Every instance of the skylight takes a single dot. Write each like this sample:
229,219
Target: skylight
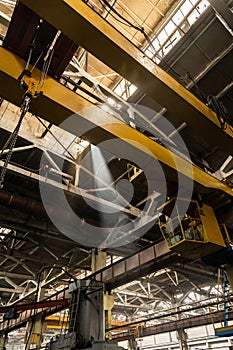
4,232
125,89
175,28
167,37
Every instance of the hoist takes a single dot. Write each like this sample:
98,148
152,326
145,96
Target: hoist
32,87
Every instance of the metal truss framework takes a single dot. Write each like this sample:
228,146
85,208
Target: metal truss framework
126,59
55,94
140,298
131,299
130,296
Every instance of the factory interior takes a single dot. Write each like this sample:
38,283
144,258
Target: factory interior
116,174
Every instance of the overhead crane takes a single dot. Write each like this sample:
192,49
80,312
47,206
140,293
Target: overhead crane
12,66
89,30
57,103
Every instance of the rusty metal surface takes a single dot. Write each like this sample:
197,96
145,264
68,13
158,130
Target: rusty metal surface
32,33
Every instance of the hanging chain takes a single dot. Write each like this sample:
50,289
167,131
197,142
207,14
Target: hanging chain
13,139
33,88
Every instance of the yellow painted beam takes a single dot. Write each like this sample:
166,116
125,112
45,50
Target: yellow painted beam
57,103
80,23
56,322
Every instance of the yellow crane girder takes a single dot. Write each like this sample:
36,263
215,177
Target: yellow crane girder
86,28
57,103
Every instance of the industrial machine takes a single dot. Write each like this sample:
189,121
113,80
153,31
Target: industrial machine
86,319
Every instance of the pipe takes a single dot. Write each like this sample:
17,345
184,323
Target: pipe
17,202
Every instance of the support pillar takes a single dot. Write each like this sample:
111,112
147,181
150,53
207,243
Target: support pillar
108,306
229,271
98,260
86,314
182,338
132,344
36,327
34,333
3,341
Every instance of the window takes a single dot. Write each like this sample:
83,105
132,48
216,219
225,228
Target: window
186,7
162,37
119,88
193,17
202,6
149,52
158,59
175,38
125,89
132,89
155,44
170,27
167,48
175,28
167,38
178,17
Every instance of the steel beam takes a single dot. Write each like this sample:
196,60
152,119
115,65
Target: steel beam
18,262
15,275
51,105
141,264
169,326
17,290
85,27
57,103
36,305
141,306
27,205
224,11
4,19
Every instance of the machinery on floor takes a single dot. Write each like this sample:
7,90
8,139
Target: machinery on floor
86,319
